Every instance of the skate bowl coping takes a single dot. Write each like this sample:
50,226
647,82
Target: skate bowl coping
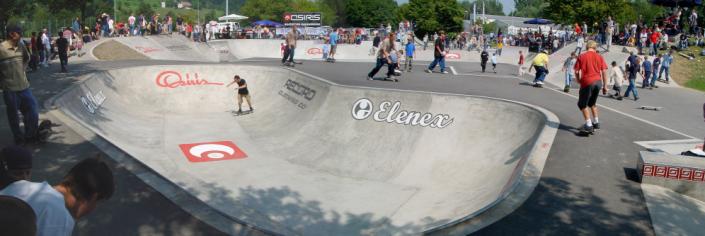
316,157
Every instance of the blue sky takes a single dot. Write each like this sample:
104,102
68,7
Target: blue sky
508,5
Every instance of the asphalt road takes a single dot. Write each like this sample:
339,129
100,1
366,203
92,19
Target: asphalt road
586,187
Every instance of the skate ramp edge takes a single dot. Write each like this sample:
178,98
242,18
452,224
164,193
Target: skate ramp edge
319,158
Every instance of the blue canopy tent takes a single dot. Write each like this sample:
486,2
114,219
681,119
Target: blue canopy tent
538,21
267,23
680,3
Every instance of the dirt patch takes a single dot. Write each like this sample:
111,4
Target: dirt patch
115,51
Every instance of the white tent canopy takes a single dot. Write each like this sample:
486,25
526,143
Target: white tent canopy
232,17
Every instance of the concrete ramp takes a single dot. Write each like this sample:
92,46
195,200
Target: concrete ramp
316,158
174,47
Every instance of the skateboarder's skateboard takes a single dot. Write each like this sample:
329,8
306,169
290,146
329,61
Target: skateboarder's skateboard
538,85
331,60
650,108
241,113
585,133
292,64
616,97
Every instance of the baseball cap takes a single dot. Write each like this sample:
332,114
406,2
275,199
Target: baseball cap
16,158
13,29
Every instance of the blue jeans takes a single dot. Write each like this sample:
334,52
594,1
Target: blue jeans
654,77
381,62
646,82
436,61
663,68
288,54
540,73
568,78
24,102
631,88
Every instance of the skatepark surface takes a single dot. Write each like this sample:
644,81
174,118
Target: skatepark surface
334,159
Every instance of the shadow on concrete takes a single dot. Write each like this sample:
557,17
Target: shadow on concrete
288,208
135,208
578,212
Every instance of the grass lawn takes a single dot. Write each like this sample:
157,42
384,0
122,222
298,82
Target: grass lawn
689,73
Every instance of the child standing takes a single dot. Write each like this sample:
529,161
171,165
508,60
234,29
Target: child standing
521,63
569,70
326,50
646,72
616,78
494,62
410,51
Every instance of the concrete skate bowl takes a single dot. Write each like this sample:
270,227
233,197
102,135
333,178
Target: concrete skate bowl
317,158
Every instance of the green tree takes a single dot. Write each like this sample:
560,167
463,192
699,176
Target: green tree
648,12
338,9
145,9
492,7
370,13
590,11
266,9
529,8
434,15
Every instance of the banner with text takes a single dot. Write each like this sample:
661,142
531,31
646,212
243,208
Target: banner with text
302,19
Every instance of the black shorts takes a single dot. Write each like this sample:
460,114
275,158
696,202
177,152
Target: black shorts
588,95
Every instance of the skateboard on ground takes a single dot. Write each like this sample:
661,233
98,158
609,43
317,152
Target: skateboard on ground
585,133
651,108
616,97
538,85
241,113
331,60
388,79
383,79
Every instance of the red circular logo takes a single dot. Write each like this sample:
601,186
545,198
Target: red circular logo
453,56
314,51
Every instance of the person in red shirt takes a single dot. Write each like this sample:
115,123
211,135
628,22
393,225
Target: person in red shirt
578,30
655,37
521,63
589,70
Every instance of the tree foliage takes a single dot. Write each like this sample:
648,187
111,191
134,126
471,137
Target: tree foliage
434,15
370,13
590,11
274,9
529,8
492,7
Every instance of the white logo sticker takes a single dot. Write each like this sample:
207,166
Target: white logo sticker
391,112
362,109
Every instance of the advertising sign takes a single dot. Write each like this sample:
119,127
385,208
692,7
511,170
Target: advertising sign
302,19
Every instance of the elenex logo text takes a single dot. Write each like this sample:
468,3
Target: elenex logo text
391,112
295,89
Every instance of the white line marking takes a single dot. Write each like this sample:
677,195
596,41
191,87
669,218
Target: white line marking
488,75
452,70
623,113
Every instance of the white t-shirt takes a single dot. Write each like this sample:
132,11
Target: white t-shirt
46,41
48,204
